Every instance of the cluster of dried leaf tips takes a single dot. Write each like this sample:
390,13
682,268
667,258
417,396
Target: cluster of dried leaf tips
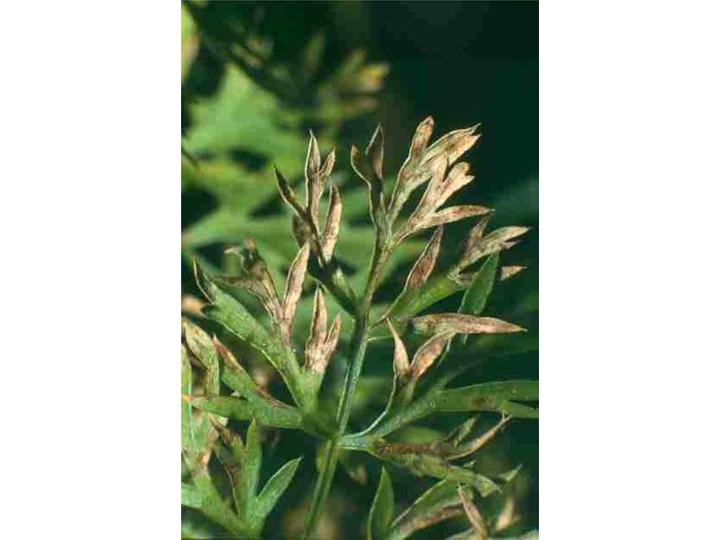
432,164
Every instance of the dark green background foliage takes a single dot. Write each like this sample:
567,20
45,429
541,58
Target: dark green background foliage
461,62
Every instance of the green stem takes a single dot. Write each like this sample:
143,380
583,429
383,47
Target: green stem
358,344
322,487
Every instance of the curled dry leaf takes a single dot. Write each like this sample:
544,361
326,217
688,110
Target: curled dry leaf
318,328
421,138
507,516
316,174
477,245
507,272
473,446
192,305
401,363
256,278
287,193
332,223
456,179
328,164
313,185
460,323
293,288
455,213
453,144
428,352
439,190
369,168
312,159
473,515
375,151
425,264
321,343
331,341
424,163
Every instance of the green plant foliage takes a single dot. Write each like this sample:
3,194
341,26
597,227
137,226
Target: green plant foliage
219,388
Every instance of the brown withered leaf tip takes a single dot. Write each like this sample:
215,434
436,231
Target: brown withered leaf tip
425,264
318,327
256,278
332,223
433,164
428,352
321,343
401,363
473,515
477,443
479,245
374,151
312,160
460,323
228,357
293,289
509,271
454,213
507,516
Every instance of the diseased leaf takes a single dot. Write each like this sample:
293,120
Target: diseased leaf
423,464
375,150
332,223
454,213
423,163
231,454
437,288
234,375
428,352
212,505
477,245
202,348
382,510
275,487
241,409
438,503
460,323
474,445
506,272
287,193
486,396
227,311
293,289
473,515
510,475
401,364
426,262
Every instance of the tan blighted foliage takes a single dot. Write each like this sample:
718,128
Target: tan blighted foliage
463,324
421,383
426,262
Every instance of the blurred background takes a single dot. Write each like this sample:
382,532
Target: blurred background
256,76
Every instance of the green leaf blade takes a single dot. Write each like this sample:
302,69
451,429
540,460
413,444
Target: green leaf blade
486,396
382,509
275,487
477,294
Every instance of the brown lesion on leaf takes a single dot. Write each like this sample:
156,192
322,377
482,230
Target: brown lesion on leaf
423,522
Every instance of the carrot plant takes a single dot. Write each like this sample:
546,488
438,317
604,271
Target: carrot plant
432,351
